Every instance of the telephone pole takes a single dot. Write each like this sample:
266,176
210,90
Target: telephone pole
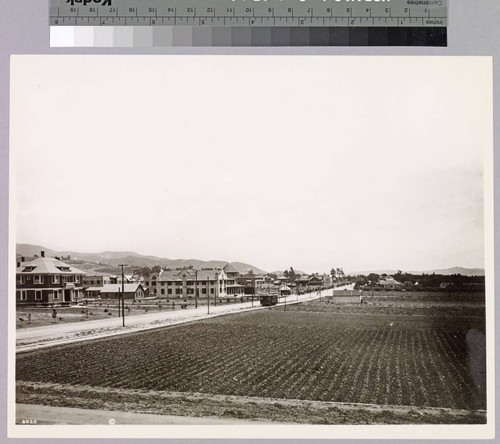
216,288
208,293
196,289
123,296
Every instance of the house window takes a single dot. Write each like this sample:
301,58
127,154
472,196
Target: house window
169,291
38,279
147,283
55,279
38,295
20,279
178,291
211,291
22,295
56,294
203,291
162,291
162,283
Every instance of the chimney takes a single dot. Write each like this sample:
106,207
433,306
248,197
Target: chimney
43,253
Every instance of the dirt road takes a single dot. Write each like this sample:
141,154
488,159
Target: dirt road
38,337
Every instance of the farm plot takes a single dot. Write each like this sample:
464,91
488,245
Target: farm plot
457,307
282,354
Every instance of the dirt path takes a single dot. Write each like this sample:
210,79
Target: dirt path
47,336
31,414
108,402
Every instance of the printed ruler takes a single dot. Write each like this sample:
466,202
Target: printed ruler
263,22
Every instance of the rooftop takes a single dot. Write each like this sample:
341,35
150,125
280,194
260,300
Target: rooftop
228,268
189,274
47,265
117,288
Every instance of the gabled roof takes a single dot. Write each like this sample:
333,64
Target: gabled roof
97,274
47,265
389,281
117,288
228,268
93,289
190,275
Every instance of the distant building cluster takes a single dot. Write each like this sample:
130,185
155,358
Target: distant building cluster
47,281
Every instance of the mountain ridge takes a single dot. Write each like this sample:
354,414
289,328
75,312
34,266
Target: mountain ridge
131,258
464,271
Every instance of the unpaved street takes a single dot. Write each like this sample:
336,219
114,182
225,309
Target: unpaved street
38,337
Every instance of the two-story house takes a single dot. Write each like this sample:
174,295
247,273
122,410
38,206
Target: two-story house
48,281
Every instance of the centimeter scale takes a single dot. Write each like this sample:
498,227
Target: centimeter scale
137,23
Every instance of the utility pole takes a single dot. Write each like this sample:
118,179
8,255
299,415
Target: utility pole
119,312
216,288
123,296
208,293
196,288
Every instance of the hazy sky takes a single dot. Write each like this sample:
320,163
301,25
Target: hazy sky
310,162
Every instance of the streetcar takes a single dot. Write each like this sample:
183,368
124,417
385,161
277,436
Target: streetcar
268,300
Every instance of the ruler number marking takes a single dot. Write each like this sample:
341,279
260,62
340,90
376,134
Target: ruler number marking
255,15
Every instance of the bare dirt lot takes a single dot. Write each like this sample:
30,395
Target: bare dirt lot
314,353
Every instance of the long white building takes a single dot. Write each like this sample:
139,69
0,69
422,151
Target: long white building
182,284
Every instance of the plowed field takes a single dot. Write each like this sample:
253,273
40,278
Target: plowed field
384,358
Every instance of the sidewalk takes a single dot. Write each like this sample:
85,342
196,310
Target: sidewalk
39,337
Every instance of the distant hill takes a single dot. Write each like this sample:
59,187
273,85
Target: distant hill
130,258
280,273
245,268
444,271
457,270
367,272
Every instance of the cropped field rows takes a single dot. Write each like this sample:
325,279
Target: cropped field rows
293,355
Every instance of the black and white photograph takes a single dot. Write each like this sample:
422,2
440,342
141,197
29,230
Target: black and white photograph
257,242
